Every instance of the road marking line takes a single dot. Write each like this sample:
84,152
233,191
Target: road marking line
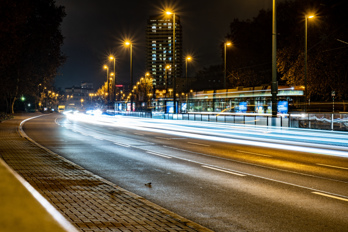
331,196
154,153
332,166
162,138
222,170
120,144
199,144
252,153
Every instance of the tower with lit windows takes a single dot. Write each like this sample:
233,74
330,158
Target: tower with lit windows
159,50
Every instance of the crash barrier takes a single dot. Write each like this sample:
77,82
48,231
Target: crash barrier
321,121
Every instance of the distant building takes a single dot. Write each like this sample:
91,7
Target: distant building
159,49
78,97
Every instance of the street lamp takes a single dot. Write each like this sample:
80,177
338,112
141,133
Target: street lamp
188,58
225,46
107,76
305,57
173,71
274,85
128,43
166,76
114,82
112,78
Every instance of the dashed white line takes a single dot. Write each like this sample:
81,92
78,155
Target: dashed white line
223,170
331,196
163,138
157,154
252,153
121,144
199,144
332,166
138,134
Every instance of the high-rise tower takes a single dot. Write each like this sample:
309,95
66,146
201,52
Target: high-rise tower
159,50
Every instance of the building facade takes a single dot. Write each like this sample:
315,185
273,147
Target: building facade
159,50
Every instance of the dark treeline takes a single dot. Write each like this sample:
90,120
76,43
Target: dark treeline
30,50
249,60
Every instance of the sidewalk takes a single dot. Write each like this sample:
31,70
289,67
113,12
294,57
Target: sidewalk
89,202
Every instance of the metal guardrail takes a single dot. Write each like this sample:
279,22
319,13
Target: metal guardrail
248,119
321,121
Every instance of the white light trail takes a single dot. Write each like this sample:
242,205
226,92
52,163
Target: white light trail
206,131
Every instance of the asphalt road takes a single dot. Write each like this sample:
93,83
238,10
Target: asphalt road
224,177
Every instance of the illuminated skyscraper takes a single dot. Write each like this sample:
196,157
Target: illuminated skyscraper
159,49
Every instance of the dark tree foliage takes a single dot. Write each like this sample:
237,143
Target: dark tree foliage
30,53
327,56
249,61
208,78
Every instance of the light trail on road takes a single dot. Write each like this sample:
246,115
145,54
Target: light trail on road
213,174
315,142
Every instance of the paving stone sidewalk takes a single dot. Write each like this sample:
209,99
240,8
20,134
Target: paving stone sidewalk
89,202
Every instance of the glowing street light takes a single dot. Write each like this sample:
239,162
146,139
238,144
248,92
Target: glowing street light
107,76
305,58
127,43
166,76
112,58
188,58
173,70
226,44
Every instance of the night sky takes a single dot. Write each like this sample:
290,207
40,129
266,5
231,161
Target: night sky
93,29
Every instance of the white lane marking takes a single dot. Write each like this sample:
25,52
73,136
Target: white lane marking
331,196
138,134
162,138
199,144
252,153
222,170
157,154
121,144
332,166
261,177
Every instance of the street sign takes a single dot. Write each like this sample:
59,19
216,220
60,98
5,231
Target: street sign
333,93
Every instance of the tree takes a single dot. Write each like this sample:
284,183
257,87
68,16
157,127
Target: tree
30,29
249,60
326,55
208,78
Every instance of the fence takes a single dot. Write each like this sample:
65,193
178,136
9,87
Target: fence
248,119
321,121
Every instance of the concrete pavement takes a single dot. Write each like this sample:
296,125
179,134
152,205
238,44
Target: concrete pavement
89,202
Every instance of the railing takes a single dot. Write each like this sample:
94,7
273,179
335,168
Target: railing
321,121
143,114
248,119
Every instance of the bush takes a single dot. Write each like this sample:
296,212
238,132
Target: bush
4,116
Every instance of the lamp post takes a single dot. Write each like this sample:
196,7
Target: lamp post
166,76
225,71
173,70
114,81
107,77
305,58
112,78
274,86
188,58
128,43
